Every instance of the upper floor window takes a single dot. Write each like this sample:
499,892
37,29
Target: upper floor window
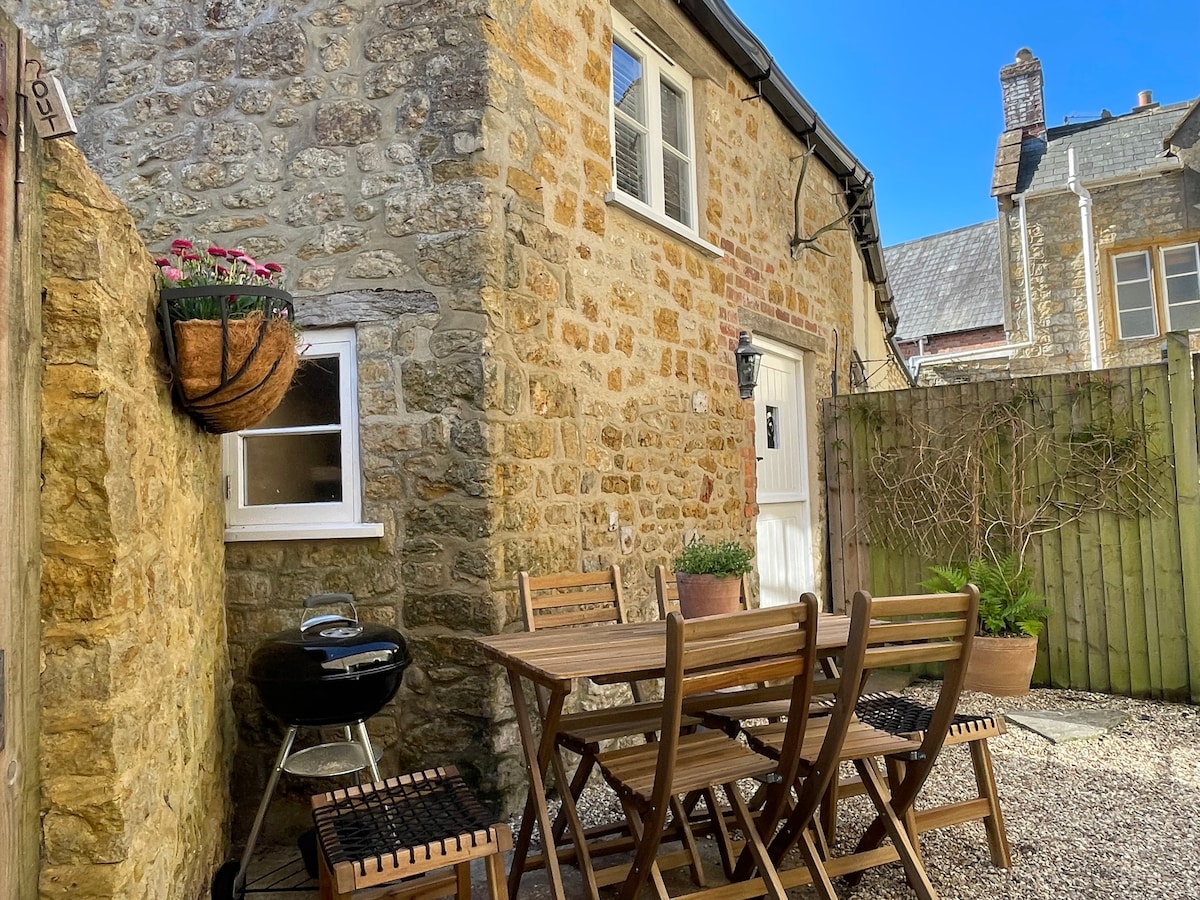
296,473
1157,285
653,145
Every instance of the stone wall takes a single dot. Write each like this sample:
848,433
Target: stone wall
1125,216
605,329
136,727
530,358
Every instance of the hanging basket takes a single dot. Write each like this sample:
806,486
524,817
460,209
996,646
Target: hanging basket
230,374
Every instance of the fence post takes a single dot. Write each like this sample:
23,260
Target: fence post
1187,490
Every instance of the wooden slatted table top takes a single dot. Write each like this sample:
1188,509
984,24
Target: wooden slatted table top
606,653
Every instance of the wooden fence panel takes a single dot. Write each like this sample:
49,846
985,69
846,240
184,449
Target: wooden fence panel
1185,649
1136,568
1114,580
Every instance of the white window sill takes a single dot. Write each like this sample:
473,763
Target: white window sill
302,532
666,223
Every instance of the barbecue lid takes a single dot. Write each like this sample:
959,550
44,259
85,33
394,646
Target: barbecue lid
328,647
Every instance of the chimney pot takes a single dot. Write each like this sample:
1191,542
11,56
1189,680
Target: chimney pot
1145,98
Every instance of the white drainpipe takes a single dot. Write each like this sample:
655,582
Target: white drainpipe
1089,275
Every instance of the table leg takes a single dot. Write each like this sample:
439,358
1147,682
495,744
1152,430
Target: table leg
551,712
537,758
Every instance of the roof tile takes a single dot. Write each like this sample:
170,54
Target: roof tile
947,282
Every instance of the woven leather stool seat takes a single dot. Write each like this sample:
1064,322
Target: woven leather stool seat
901,715
896,714
405,827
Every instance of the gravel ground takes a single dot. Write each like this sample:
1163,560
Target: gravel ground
1110,817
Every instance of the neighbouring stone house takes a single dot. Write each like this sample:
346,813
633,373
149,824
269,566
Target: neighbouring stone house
949,290
523,239
1140,172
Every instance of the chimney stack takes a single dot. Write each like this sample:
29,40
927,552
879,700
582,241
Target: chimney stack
1024,103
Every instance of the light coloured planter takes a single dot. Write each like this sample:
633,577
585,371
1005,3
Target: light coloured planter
708,595
1001,666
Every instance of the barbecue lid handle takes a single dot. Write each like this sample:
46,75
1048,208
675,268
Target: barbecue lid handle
328,600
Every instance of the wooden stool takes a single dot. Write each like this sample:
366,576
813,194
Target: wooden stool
404,828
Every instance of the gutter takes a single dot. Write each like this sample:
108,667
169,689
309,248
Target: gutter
747,54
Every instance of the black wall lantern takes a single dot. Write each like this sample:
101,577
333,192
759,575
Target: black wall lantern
747,357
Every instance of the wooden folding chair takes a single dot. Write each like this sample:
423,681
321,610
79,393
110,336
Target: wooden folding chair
573,600
760,702
704,656
902,631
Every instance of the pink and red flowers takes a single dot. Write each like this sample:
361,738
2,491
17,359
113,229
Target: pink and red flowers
187,266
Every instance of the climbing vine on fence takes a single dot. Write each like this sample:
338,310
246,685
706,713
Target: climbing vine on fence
983,476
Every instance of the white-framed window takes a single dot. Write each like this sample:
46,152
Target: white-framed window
1157,290
653,136
1181,279
296,474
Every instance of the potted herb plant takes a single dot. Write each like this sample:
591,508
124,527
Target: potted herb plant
229,333
1011,616
709,576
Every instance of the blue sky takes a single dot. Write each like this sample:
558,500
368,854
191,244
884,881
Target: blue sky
913,88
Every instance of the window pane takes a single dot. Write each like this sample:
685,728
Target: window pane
674,118
313,399
1182,282
1133,268
676,188
293,468
629,148
1134,296
1180,261
1185,317
628,84
1182,289
1137,324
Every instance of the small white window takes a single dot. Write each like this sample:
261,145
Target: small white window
296,474
654,162
1181,281
1135,295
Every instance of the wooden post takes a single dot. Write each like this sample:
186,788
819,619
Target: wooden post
1187,489
20,447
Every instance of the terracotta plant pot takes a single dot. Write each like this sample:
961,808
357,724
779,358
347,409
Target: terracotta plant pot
1001,666
708,595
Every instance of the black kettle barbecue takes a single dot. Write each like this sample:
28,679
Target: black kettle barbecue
331,671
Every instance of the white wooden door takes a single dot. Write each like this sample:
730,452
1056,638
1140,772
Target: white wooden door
784,559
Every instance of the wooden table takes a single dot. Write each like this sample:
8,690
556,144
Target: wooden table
552,660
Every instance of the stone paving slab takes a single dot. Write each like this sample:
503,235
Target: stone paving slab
1058,726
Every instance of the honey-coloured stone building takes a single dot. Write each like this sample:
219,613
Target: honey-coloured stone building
523,239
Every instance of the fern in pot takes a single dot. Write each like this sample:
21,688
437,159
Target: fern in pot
1011,616
709,576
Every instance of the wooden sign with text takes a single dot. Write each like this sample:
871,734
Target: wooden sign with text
48,104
